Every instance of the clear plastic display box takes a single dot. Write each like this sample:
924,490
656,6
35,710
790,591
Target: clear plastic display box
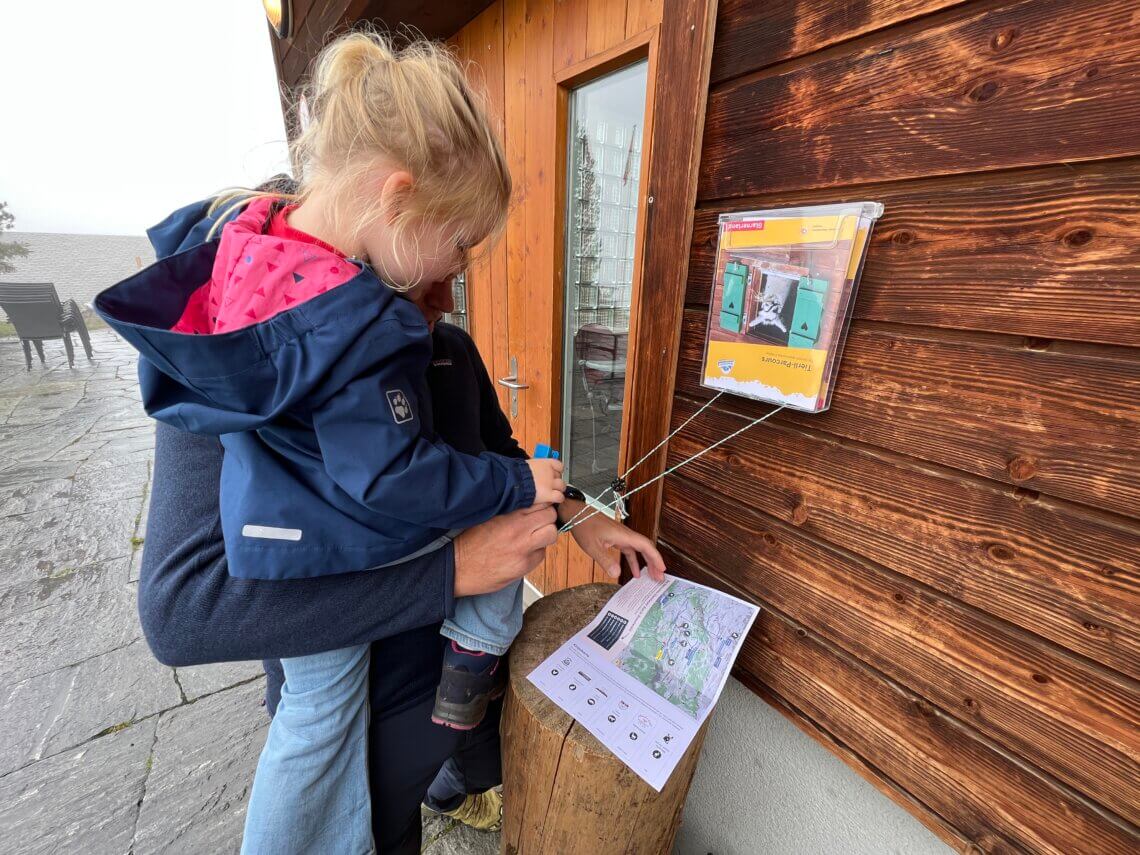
783,289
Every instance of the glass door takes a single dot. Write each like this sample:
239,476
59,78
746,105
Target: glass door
604,130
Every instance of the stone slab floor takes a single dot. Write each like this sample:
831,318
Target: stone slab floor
102,749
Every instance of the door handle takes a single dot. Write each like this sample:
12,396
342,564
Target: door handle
511,381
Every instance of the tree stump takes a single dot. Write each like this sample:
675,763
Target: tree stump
563,791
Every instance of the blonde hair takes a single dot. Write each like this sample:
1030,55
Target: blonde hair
370,102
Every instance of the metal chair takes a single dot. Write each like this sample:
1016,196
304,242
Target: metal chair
36,312
600,354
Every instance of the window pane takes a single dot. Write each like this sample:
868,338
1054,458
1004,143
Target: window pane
604,140
459,293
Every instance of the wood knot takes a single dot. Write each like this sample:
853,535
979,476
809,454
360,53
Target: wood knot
1041,678
1096,629
983,92
899,597
769,538
1022,468
923,708
970,704
800,513
902,238
1000,552
1091,72
801,632
1077,237
1003,38
1025,495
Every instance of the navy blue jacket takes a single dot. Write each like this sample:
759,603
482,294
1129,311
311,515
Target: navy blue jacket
332,463
193,611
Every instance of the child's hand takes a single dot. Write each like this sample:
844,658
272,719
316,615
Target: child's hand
548,483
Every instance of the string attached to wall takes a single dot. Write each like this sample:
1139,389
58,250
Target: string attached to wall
618,486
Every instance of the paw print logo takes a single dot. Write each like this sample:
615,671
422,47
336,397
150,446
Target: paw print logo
400,406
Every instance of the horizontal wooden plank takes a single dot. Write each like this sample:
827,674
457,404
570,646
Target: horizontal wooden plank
1025,84
1044,566
1059,423
1048,253
1081,726
751,35
978,792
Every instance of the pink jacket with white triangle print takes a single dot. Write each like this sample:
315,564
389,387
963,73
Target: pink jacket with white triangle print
258,275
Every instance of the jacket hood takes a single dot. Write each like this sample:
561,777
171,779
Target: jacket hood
236,381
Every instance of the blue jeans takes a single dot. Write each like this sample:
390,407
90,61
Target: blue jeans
310,793
487,622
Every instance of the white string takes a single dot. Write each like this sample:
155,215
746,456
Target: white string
573,520
670,470
683,424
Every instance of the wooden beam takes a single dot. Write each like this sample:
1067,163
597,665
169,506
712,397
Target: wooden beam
1079,724
684,51
751,35
1036,563
992,406
1049,252
989,88
936,766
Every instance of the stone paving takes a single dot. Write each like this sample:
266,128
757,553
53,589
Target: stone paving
104,750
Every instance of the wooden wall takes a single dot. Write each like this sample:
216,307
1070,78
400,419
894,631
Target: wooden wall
948,560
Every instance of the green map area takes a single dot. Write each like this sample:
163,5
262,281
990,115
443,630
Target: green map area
684,645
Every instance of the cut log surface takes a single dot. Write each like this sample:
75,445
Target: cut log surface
563,791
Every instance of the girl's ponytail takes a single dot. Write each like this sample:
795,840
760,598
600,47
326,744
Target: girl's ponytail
411,108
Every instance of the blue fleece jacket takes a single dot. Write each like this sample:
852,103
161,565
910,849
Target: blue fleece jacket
332,462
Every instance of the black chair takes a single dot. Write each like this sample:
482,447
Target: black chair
36,312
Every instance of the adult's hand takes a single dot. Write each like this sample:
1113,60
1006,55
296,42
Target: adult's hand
503,549
599,536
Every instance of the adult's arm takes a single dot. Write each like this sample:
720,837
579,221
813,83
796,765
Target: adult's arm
602,538
193,611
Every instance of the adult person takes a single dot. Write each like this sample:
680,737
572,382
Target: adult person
194,612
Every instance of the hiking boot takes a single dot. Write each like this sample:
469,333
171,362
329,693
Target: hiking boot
470,680
482,811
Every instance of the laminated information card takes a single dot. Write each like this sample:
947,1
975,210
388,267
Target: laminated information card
782,295
645,673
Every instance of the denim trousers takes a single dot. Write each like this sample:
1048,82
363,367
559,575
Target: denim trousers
487,622
310,793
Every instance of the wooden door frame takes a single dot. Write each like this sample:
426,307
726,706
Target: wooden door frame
641,46
679,51
684,49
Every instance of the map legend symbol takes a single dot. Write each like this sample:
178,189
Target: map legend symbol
607,632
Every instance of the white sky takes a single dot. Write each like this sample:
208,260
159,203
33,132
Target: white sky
113,114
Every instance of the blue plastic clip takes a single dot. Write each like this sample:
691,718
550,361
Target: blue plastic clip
543,451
